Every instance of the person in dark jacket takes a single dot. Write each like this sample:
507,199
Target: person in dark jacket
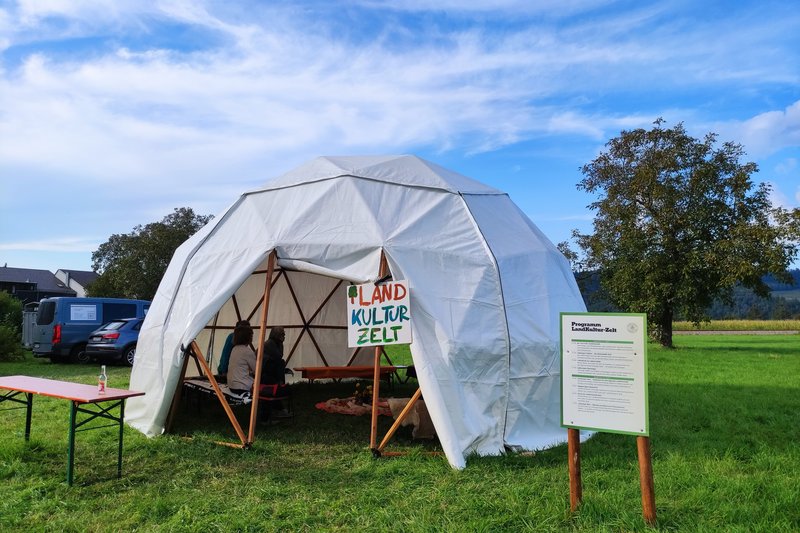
273,371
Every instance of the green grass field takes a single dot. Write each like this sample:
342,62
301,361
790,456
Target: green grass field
725,441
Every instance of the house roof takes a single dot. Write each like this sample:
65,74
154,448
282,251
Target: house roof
84,277
44,279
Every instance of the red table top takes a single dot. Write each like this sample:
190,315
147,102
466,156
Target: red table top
67,390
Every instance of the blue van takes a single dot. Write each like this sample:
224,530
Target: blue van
63,324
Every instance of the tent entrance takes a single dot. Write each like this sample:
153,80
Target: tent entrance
311,307
312,310
196,354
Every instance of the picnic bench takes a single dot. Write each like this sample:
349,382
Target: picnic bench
84,399
203,386
312,373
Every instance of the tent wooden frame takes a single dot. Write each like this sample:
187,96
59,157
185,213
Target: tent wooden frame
195,353
377,451
306,326
246,440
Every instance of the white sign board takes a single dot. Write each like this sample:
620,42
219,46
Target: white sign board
378,315
604,372
83,312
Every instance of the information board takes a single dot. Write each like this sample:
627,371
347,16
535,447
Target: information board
378,314
604,372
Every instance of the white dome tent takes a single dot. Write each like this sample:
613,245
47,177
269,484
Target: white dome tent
486,291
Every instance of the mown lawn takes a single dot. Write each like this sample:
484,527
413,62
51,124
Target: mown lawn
725,440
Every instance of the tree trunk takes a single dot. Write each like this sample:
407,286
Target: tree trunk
665,327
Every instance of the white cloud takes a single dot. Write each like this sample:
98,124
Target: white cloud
272,85
285,84
789,171
570,122
769,132
787,166
777,198
554,8
5,29
128,113
65,244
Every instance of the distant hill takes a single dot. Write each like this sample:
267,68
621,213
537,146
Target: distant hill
788,295
784,290
783,303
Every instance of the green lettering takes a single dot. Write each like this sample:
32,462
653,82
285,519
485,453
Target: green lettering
373,335
393,337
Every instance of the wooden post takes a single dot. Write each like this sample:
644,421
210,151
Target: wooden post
574,450
402,416
260,357
376,375
198,357
646,480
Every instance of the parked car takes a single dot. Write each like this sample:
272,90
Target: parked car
63,324
115,340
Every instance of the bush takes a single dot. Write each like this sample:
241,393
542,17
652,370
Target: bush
10,345
10,327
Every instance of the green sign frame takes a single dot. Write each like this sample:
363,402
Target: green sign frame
604,384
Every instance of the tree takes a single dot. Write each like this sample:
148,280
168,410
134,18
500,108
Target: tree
10,327
131,265
679,222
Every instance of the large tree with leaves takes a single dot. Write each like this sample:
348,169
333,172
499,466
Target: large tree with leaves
10,327
131,265
680,222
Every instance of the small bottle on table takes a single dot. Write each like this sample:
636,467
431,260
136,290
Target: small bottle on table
102,381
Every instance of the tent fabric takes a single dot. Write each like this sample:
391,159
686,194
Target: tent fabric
486,289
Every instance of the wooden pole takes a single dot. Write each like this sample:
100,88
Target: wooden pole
574,450
262,336
376,375
198,357
228,444
646,480
402,416
211,338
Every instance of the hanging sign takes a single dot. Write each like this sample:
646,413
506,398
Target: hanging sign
378,314
604,372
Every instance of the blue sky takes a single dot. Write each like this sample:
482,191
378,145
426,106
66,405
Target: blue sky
112,113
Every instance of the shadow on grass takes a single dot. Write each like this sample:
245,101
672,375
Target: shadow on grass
689,419
309,426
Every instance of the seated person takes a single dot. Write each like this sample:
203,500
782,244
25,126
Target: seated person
242,365
273,370
225,356
274,366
